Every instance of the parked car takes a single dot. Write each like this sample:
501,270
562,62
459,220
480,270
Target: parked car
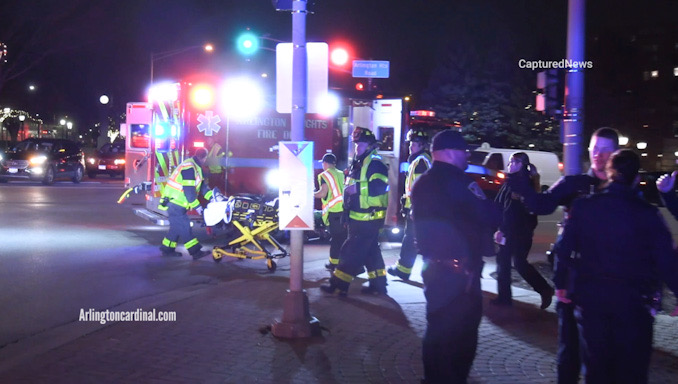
489,180
497,159
109,159
43,159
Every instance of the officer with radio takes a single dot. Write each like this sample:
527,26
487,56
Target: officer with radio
620,248
365,201
420,162
180,195
453,223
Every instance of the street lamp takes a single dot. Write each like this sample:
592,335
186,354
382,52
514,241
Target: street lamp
173,52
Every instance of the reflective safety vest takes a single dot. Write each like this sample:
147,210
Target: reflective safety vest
412,176
174,190
371,207
334,200
214,158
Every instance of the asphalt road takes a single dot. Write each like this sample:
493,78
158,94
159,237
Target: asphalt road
70,247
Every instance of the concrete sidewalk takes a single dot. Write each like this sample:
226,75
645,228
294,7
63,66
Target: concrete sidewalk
222,335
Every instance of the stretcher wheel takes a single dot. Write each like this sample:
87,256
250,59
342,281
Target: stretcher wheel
271,265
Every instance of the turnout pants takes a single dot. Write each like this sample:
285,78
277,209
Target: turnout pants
337,236
408,250
179,231
361,248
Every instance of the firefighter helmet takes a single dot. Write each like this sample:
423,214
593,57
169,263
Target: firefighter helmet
363,135
417,136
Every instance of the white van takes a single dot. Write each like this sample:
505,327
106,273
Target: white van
497,159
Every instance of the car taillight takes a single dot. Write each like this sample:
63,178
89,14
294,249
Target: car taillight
501,175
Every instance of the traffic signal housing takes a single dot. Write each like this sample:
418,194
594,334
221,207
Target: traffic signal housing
550,92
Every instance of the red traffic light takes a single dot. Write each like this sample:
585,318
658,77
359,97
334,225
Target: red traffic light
339,56
359,86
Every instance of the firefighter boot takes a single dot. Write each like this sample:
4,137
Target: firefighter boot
200,254
394,271
377,286
169,252
333,287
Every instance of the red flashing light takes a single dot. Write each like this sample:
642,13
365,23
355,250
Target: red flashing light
360,86
423,113
199,144
202,96
339,56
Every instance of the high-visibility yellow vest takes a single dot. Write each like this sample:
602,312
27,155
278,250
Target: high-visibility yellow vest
371,207
214,158
174,190
412,176
334,200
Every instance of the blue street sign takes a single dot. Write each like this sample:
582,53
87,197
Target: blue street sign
370,68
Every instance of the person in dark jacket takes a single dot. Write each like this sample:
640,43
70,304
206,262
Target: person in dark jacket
453,223
515,234
603,142
620,248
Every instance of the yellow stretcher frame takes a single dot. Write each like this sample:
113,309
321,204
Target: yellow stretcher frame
260,231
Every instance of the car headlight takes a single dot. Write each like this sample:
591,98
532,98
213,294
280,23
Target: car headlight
37,160
119,161
91,160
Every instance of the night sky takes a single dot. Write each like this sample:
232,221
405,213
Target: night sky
88,48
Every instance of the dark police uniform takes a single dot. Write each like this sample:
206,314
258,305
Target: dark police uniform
563,192
453,224
517,226
623,248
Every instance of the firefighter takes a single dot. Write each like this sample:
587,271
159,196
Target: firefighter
180,195
365,200
331,192
420,162
213,162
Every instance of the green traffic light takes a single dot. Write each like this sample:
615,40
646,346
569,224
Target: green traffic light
247,43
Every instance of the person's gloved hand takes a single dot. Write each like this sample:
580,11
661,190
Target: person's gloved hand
665,183
199,209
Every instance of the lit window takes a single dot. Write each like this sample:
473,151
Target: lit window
675,71
654,73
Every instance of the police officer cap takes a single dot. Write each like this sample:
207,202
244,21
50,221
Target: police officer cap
417,136
449,139
329,158
363,135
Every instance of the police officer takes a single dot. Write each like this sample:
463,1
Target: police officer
453,224
603,142
623,248
331,193
180,195
365,201
420,162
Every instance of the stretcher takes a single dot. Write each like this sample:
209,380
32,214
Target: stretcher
254,219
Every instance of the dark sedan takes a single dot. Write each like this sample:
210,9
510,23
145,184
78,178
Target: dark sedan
43,159
110,160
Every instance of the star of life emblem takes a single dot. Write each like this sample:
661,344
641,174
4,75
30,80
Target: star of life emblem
209,123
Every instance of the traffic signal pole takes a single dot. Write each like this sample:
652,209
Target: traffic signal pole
296,321
573,115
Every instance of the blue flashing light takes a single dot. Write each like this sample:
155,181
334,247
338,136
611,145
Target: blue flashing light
159,130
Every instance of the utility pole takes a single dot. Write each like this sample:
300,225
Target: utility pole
573,115
296,321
